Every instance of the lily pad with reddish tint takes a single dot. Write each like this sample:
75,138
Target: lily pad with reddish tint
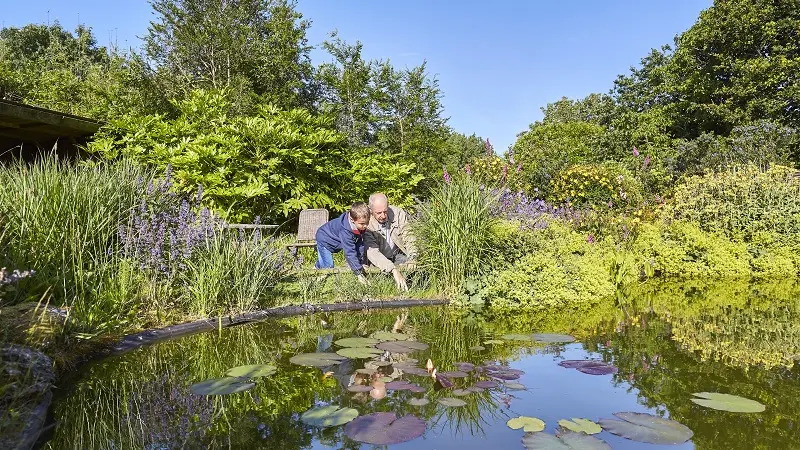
486,384
385,428
416,371
359,388
589,366
454,374
399,385
444,381
465,366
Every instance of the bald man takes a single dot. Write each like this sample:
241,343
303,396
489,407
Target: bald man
388,238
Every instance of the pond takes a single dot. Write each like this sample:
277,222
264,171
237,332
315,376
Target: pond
655,346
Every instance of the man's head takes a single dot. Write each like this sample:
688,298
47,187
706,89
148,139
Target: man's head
359,214
379,206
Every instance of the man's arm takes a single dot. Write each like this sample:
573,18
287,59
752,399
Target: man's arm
374,252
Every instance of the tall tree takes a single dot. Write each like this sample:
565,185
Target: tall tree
244,46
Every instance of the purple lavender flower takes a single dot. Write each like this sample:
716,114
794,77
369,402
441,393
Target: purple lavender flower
635,151
467,170
446,175
646,162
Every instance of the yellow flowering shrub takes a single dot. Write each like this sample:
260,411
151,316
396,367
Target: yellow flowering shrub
597,184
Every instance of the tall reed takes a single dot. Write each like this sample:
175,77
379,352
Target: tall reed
454,232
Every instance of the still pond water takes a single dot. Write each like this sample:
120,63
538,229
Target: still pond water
661,343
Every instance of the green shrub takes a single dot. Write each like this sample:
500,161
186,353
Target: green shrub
606,185
562,268
270,165
682,250
455,232
742,202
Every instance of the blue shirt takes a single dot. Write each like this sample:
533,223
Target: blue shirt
338,235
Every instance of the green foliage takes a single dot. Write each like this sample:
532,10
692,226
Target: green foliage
454,232
597,184
53,68
62,221
559,267
547,149
271,165
742,202
253,48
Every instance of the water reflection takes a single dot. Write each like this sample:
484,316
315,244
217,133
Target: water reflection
667,340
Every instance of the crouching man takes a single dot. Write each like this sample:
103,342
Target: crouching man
388,238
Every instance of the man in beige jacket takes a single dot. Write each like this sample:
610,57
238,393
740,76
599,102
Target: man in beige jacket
388,238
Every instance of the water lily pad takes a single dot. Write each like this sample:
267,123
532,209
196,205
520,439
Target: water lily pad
486,384
385,379
643,427
516,386
580,426
221,386
465,366
399,385
418,402
552,338
402,346
359,388
328,416
494,342
417,371
358,352
461,392
477,348
417,389
376,363
589,366
518,337
502,372
475,389
385,428
566,441
451,402
389,336
251,371
727,402
454,374
528,424
356,342
317,359
366,371
444,381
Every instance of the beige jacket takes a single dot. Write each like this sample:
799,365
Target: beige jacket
400,230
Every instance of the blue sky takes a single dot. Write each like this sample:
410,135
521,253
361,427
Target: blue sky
497,62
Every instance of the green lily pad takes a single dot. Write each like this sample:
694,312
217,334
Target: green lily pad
516,386
356,342
642,427
727,402
376,364
389,336
518,337
358,352
528,424
566,441
418,401
251,371
317,359
580,426
221,386
328,416
402,346
494,342
452,402
552,338
366,371
477,348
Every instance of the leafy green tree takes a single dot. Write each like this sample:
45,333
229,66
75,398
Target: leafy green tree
272,164
598,109
461,150
248,47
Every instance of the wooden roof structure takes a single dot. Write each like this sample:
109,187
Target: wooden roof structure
26,123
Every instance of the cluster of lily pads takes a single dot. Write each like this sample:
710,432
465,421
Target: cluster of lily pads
386,352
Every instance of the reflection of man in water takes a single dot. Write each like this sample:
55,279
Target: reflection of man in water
388,238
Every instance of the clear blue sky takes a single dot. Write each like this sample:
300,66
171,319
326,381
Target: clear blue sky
497,62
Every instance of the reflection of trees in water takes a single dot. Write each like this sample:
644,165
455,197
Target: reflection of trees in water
665,375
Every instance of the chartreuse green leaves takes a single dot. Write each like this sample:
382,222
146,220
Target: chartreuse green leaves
328,416
528,424
317,359
252,371
580,426
727,402
221,386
